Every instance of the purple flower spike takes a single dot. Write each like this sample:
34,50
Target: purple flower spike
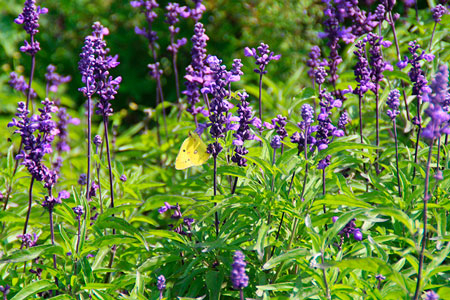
161,283
197,12
19,84
29,18
195,72
438,98
262,56
83,179
238,277
123,178
393,101
54,79
438,12
78,210
307,114
276,142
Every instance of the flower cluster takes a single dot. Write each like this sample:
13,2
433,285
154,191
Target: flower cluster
19,84
79,211
30,20
51,201
196,70
238,277
243,132
362,71
438,11
176,216
393,101
198,10
307,114
94,66
350,229
161,284
173,11
279,124
29,240
416,74
262,55
148,9
439,117
36,145
64,119
376,62
5,290
314,61
219,107
54,79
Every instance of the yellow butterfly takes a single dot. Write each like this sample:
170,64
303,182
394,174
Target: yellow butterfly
192,153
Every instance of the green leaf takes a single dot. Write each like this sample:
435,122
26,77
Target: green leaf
120,225
289,255
99,286
32,253
340,199
214,281
34,288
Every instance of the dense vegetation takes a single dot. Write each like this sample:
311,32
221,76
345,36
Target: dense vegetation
224,149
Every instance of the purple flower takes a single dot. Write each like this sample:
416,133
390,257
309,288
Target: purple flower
235,73
343,120
29,240
54,79
64,120
262,57
314,61
197,12
323,163
439,117
362,71
82,180
37,132
219,107
93,189
431,295
243,132
30,20
380,13
380,277
195,72
19,84
438,11
276,142
161,284
393,101
123,178
5,290
238,277
350,229
376,62
78,210
307,114
95,65
148,9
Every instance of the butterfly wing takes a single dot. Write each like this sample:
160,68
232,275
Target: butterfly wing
199,155
192,153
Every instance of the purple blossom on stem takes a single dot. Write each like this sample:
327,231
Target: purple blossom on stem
276,142
195,72
219,107
343,120
36,146
376,62
238,277
393,101
161,284
82,180
313,61
350,229
79,211
262,56
29,240
438,11
243,132
54,79
64,119
439,117
20,85
362,71
29,18
51,201
198,10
